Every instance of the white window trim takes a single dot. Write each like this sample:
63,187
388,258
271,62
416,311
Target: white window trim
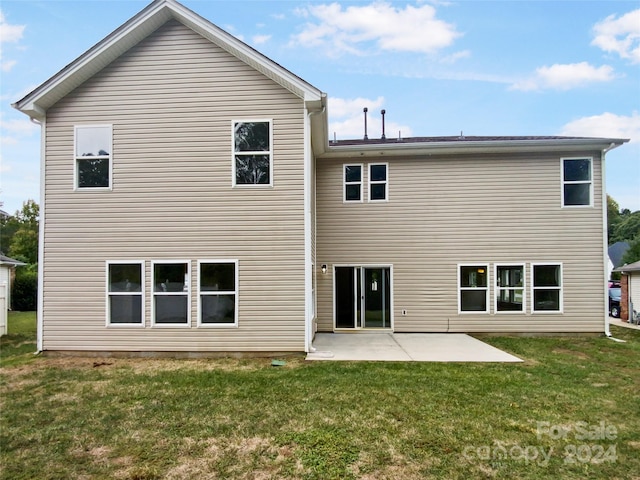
234,153
154,294
108,294
345,183
108,157
378,182
487,288
534,288
497,288
563,182
235,292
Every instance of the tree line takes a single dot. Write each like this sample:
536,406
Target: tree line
623,225
19,240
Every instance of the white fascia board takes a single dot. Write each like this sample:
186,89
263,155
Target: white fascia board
470,147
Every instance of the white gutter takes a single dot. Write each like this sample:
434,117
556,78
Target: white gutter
391,147
308,258
40,306
605,241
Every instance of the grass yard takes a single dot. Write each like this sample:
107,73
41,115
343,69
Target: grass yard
570,411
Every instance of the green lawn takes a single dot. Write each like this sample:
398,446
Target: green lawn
570,411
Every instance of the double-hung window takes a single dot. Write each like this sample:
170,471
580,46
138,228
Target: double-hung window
218,292
473,290
510,289
125,287
378,182
252,152
546,285
353,183
171,293
93,156
577,182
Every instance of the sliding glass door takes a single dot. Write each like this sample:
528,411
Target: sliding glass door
362,297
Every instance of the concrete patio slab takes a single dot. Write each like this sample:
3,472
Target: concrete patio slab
406,347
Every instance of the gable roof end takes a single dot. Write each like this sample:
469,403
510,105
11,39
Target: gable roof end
156,14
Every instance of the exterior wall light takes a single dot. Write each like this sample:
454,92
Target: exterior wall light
324,268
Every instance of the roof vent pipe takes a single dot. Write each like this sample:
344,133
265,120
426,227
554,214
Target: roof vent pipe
365,110
383,111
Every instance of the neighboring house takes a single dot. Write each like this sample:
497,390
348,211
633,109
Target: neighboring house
616,254
630,289
192,202
7,274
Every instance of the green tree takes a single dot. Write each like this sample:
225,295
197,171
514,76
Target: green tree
633,254
24,242
628,228
613,217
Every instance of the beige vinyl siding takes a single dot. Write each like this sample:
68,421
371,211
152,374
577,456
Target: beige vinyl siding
634,290
478,210
171,101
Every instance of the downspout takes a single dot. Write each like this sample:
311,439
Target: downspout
605,242
308,321
40,306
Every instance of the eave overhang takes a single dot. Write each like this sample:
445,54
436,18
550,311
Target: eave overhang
36,103
462,146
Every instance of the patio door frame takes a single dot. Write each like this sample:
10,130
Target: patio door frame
360,306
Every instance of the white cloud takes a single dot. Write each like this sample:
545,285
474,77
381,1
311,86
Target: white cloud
260,39
19,127
619,35
606,125
565,77
9,33
350,29
7,66
346,119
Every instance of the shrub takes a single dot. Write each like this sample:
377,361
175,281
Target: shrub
24,291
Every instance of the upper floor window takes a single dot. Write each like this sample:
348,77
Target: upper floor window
377,182
577,182
252,153
353,183
93,156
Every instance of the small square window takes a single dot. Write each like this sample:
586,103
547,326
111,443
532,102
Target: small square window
378,182
93,156
252,163
353,183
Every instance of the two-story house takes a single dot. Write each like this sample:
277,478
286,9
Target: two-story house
192,202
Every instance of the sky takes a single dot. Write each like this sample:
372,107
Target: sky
437,67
